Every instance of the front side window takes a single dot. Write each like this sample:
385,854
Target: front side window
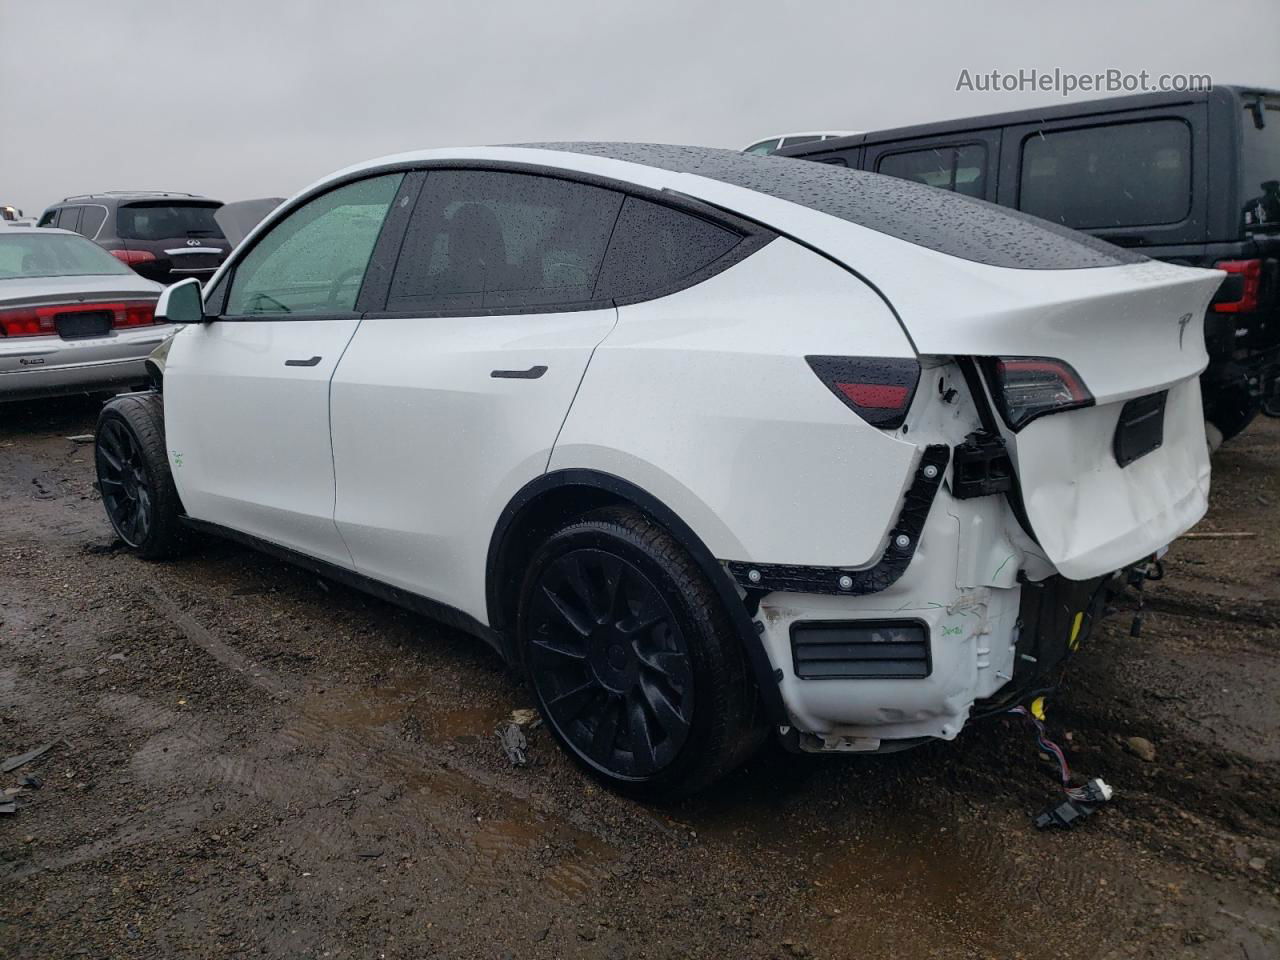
482,239
313,261
1119,175
956,168
655,247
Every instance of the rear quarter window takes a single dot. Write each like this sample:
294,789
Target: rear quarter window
654,248
1114,175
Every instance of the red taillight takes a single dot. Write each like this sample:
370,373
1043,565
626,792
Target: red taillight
132,257
878,389
1030,387
136,315
43,321
1251,271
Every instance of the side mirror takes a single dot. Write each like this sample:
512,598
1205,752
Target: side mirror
181,303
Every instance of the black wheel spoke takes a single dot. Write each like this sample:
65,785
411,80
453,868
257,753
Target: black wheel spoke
112,457
665,711
557,646
639,734
605,734
581,623
570,704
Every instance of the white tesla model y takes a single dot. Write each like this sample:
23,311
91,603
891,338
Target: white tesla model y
709,445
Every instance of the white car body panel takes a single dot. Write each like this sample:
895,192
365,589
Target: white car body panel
248,436
704,399
430,446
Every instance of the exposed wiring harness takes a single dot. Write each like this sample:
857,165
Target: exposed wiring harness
1081,801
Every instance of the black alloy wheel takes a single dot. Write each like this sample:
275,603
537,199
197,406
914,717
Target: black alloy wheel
122,478
634,662
137,488
611,662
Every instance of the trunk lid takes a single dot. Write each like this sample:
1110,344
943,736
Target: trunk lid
1098,495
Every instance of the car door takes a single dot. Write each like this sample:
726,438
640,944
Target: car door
247,394
449,399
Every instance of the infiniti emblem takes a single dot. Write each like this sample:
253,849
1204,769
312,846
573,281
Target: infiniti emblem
196,243
1182,327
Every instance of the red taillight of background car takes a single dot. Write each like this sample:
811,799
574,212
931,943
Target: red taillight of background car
132,257
42,321
1029,387
878,389
1251,272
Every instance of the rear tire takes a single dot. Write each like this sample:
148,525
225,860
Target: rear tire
634,664
133,476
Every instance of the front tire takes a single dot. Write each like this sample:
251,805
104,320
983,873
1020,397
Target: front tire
133,476
634,664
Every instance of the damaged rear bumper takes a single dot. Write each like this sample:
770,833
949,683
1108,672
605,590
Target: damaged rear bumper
959,634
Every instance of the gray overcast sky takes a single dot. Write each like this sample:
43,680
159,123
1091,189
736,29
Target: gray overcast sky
239,99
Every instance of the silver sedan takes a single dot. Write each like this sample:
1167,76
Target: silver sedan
73,318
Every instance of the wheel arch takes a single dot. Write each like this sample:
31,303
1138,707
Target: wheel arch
555,497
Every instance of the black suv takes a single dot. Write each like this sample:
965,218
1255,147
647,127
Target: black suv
1191,178
163,236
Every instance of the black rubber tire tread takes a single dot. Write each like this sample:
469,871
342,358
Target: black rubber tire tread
143,415
727,726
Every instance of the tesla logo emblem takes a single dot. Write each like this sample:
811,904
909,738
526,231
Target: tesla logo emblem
1182,327
193,243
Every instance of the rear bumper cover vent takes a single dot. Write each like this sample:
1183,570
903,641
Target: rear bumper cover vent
861,649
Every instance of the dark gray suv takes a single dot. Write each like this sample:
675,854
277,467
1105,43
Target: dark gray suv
164,236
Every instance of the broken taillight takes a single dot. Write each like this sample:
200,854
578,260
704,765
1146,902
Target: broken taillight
878,389
1029,387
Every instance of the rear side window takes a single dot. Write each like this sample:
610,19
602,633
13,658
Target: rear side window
69,218
483,239
1118,175
655,247
313,261
1260,162
960,169
167,220
92,220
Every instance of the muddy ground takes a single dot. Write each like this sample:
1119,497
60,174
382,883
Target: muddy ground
251,762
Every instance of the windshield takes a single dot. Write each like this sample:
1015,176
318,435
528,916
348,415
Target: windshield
41,254
167,220
1260,162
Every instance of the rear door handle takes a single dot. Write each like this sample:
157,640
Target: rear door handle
533,373
302,363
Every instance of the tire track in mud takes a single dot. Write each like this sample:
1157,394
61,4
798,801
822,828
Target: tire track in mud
324,744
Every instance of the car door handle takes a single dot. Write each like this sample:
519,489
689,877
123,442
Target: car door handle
533,373
302,363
